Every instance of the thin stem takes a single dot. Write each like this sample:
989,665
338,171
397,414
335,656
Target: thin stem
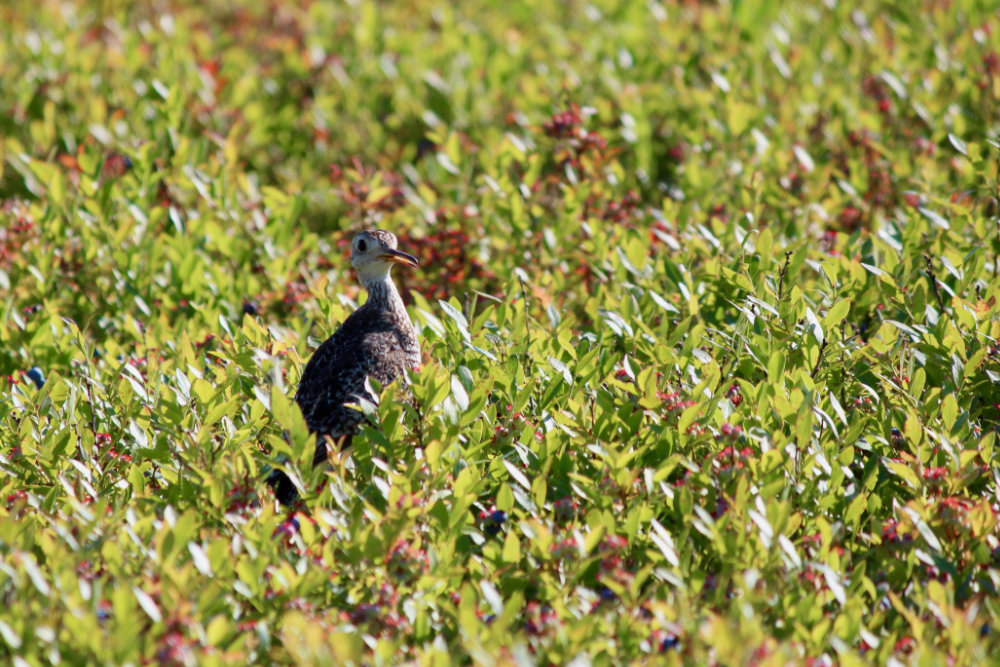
781,276
934,285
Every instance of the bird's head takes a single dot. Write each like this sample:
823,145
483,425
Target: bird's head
373,252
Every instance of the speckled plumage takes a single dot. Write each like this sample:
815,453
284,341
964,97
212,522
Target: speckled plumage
377,340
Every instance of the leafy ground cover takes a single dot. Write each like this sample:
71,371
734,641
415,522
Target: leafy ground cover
707,302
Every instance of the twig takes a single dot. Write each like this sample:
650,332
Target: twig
781,276
933,277
863,327
996,255
819,360
524,294
593,417
420,422
527,323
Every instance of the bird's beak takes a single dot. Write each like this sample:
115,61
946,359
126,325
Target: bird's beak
398,257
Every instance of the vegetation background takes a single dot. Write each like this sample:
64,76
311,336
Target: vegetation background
707,298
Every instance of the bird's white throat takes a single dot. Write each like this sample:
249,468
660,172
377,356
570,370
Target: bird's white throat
374,274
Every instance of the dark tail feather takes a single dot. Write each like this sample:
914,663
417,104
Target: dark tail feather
284,490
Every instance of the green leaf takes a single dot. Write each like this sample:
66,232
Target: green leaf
539,489
913,431
836,314
459,394
904,472
148,604
505,498
511,548
10,637
200,559
280,407
856,508
957,144
517,475
594,537
817,328
688,417
949,412
935,218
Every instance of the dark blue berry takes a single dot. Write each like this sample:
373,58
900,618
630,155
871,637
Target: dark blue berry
607,595
492,521
670,642
35,375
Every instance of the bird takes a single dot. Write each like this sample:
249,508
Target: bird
376,341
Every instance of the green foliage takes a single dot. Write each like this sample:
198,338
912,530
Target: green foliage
707,300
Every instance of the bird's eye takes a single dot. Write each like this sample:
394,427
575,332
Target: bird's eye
362,246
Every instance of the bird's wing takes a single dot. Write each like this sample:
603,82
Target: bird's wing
361,347
332,377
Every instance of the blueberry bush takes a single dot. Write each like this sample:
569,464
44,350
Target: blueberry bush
707,302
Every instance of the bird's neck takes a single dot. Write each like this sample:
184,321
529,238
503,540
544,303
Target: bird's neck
382,294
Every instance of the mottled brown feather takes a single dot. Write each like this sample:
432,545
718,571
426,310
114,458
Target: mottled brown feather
376,341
